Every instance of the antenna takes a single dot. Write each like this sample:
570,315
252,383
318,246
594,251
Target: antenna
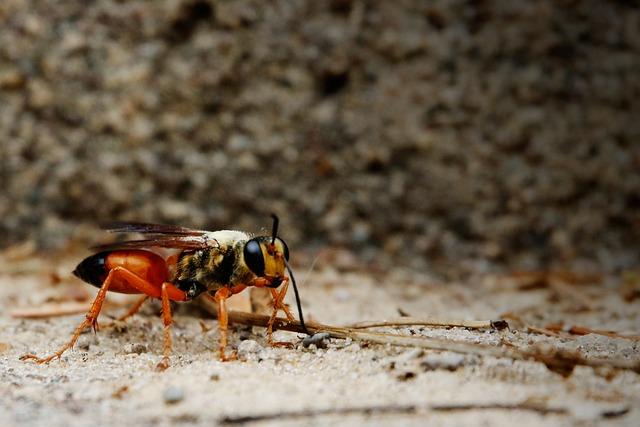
295,290
274,232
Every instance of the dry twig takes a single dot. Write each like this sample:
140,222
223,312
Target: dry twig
49,310
557,360
583,330
413,409
413,321
280,416
543,331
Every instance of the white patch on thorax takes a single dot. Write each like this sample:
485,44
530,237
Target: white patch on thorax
228,237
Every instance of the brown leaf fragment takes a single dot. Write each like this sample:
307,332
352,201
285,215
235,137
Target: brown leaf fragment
532,280
542,331
120,392
630,289
203,326
557,360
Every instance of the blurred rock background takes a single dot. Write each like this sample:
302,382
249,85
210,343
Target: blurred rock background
444,134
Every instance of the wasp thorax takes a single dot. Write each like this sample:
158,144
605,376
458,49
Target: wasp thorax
264,257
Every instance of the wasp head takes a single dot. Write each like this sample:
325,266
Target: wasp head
266,258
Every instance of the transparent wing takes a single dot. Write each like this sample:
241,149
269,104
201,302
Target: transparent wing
146,228
158,235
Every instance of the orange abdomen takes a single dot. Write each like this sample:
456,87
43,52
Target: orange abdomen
144,264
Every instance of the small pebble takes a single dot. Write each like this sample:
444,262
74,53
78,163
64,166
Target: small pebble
319,340
499,324
86,341
448,361
411,354
245,333
248,347
352,347
173,395
137,348
342,295
406,376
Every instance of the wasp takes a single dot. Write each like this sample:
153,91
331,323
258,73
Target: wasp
214,264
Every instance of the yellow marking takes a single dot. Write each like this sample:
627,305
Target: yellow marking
273,265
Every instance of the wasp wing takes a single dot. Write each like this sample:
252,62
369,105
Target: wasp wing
159,236
146,228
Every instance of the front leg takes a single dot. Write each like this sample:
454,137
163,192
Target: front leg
278,304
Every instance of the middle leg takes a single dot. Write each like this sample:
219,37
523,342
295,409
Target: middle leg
220,298
132,311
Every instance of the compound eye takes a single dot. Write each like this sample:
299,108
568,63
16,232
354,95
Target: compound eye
253,257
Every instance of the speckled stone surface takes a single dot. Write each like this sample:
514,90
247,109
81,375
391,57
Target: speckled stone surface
411,132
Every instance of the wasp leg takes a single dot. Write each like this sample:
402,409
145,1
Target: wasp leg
223,320
278,301
90,320
166,293
167,319
278,304
132,311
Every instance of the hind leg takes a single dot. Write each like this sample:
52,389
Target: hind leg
167,320
89,321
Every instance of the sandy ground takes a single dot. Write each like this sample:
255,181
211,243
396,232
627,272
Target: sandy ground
109,378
